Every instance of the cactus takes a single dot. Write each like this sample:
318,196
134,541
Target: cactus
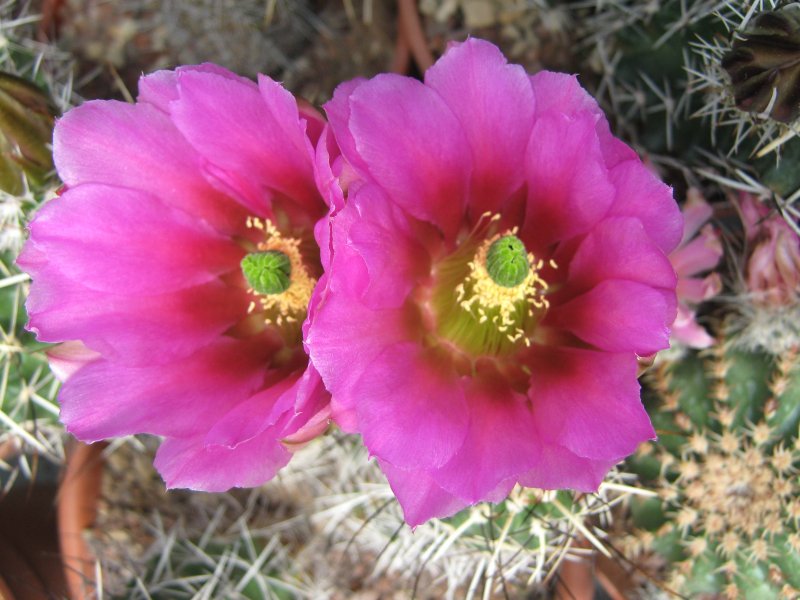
726,519
35,84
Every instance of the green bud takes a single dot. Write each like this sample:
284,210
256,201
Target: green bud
26,129
507,261
267,272
764,65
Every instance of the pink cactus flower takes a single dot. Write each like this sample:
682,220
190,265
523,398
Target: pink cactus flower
497,262
772,272
700,250
769,300
180,262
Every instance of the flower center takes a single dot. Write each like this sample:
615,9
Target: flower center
489,295
278,275
267,272
507,261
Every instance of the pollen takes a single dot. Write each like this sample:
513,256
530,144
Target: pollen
290,304
502,305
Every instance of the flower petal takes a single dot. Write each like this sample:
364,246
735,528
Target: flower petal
500,444
487,95
559,469
619,316
412,423
136,146
619,248
414,147
184,398
188,463
132,329
252,136
588,402
568,185
640,194
419,495
129,242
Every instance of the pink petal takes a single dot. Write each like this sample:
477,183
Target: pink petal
128,328
338,111
500,445
380,234
251,135
488,96
346,333
188,463
129,242
619,316
161,87
183,398
414,147
252,416
560,93
619,248
568,186
588,402
700,254
138,147
411,411
696,211
67,358
419,495
687,331
640,194
559,469
696,289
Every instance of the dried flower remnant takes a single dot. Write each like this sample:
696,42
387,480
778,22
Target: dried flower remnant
498,261
145,262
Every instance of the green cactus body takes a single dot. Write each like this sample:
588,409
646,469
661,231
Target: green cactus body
726,519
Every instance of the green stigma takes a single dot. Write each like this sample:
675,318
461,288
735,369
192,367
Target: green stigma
267,272
507,261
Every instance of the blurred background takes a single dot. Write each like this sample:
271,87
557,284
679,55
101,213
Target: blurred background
707,91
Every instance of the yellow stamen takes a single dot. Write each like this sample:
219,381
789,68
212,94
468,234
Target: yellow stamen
293,302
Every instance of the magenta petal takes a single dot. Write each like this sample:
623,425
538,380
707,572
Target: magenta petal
132,329
380,234
687,331
568,185
619,316
161,87
252,416
588,402
138,147
251,135
338,111
129,242
414,147
558,468
488,96
184,398
188,463
640,194
559,93
697,289
66,359
501,442
700,254
416,422
413,423
619,248
420,498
